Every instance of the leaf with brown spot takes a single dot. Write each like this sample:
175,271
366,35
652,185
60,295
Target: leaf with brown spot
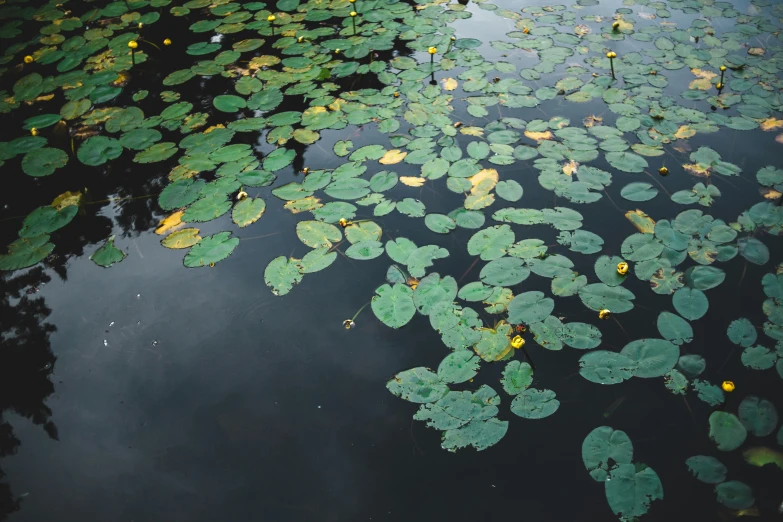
757,51
187,237
66,199
483,181
770,124
570,168
449,84
697,170
684,132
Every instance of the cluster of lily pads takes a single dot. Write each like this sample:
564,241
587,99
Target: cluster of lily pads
296,72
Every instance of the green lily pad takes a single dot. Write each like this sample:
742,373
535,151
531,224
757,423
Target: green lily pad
45,220
603,448
759,416
281,274
707,469
44,161
726,430
107,254
535,404
418,385
631,488
247,211
605,367
25,252
393,305
517,377
211,250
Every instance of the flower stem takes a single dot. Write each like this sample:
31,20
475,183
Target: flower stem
360,311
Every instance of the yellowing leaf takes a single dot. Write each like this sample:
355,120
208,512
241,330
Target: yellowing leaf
769,193
570,168
307,204
66,199
779,138
472,131
479,201
412,181
449,84
484,181
187,237
643,223
218,126
703,74
756,51
771,124
392,157
684,132
337,104
169,222
592,120
701,84
538,136
625,26
697,170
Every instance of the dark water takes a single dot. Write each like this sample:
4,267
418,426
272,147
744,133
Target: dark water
164,393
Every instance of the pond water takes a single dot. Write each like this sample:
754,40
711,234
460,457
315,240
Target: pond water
497,169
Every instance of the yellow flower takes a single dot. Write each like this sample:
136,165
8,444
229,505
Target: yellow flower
396,94
611,54
306,170
34,131
344,222
526,30
722,68
337,51
616,24
300,39
517,342
663,171
167,41
348,324
432,50
242,195
719,86
728,386
28,59
353,13
271,18
141,25
604,314
352,1
133,44
622,268
453,38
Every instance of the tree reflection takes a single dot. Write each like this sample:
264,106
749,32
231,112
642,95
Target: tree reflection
26,364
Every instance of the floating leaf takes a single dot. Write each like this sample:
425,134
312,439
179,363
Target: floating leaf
726,430
211,250
758,415
535,404
630,489
735,494
707,469
108,254
457,367
281,274
418,385
603,448
517,376
690,303
394,305
742,332
605,367
247,211
317,234
185,238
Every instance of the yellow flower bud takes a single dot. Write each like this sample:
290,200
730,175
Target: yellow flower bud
167,41
133,44
526,30
348,324
616,24
344,222
728,386
354,13
271,18
28,59
719,86
622,268
611,54
663,171
722,68
517,342
432,50
337,51
604,314
396,94
141,25
34,131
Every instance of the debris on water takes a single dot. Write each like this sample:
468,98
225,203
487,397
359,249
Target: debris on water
111,323
105,342
154,343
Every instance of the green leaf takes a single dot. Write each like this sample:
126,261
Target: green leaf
535,404
704,277
316,260
108,254
758,358
690,303
457,367
207,209
750,248
24,252
707,469
652,357
281,274
517,376
626,161
211,250
317,234
418,385
439,223
759,416
599,296
247,211
726,430
742,332
432,290
393,305
504,271
606,270
45,220
603,448
529,307
44,161
630,489
491,243
185,238
674,328
735,494
604,367
180,193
